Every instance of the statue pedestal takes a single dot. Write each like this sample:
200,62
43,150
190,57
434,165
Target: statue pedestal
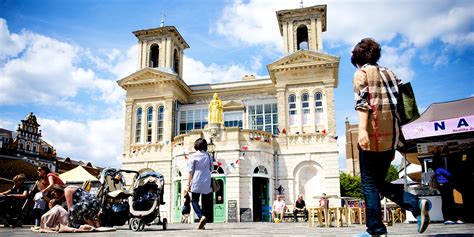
213,130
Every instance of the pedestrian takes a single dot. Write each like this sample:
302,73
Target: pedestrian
376,92
186,208
50,179
199,180
445,187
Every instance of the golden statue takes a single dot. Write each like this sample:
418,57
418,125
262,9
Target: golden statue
216,110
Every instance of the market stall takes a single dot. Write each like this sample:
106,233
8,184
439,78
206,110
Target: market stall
445,131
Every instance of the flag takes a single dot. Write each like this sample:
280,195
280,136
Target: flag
245,148
185,156
232,165
278,131
335,137
237,161
283,130
324,131
219,164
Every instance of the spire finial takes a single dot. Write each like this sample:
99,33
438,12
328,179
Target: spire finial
301,4
162,19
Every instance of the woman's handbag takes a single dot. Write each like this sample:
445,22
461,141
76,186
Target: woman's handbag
406,104
215,185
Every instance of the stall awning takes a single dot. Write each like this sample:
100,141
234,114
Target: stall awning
442,119
77,174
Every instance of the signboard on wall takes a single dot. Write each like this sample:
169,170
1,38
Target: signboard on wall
232,211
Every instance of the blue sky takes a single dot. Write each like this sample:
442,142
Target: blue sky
61,59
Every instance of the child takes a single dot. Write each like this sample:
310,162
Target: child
186,209
39,206
55,216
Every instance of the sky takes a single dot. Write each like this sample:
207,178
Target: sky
61,59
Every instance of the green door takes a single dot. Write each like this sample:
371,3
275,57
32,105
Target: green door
177,202
219,201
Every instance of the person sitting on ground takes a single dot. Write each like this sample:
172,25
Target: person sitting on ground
300,206
56,215
83,207
278,208
14,199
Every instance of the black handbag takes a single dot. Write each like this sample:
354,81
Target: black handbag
406,104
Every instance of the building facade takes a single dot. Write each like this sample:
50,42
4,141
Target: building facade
352,152
277,133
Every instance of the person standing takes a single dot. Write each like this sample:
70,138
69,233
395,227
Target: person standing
445,187
300,206
200,166
376,93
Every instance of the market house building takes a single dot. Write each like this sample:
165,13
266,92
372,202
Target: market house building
277,132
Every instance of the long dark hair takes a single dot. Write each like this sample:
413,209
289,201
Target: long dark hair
200,144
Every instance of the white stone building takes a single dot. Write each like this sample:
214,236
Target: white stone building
277,130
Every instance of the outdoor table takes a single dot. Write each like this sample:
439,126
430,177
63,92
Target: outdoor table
326,207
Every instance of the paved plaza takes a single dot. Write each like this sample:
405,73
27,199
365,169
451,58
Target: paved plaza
262,229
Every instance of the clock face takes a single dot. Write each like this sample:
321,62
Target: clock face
30,129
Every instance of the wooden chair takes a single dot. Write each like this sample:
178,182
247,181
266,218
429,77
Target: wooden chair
313,213
356,214
288,213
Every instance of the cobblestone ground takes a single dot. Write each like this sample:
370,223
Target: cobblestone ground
261,229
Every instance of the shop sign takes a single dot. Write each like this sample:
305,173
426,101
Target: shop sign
438,128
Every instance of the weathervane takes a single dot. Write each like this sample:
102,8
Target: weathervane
301,4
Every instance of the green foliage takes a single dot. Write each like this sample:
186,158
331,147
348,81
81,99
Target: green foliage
350,186
392,173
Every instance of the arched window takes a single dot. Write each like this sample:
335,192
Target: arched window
305,108
292,109
318,105
138,125
159,125
302,37
176,61
149,123
154,55
260,170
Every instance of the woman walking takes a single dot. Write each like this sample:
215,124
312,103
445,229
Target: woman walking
376,93
199,180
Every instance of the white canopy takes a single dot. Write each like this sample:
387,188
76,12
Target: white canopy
78,174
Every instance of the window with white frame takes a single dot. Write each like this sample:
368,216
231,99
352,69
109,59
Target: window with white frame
318,105
138,125
305,108
149,123
233,119
292,109
159,124
192,119
263,117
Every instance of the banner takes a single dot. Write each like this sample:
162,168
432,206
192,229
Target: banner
416,130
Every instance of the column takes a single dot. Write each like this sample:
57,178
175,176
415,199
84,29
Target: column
168,122
285,37
313,36
291,37
282,109
319,30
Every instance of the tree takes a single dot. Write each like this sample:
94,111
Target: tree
392,173
350,186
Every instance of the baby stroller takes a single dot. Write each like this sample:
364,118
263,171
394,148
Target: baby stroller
113,197
147,188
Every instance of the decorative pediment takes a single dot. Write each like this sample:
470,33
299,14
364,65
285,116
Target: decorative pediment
303,59
233,105
146,76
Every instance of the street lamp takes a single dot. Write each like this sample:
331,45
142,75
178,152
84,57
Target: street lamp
211,148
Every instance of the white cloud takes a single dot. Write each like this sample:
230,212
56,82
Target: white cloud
48,71
196,72
11,44
420,22
399,59
97,141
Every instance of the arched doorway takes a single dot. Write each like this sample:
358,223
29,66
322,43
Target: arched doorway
307,181
260,191
219,197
